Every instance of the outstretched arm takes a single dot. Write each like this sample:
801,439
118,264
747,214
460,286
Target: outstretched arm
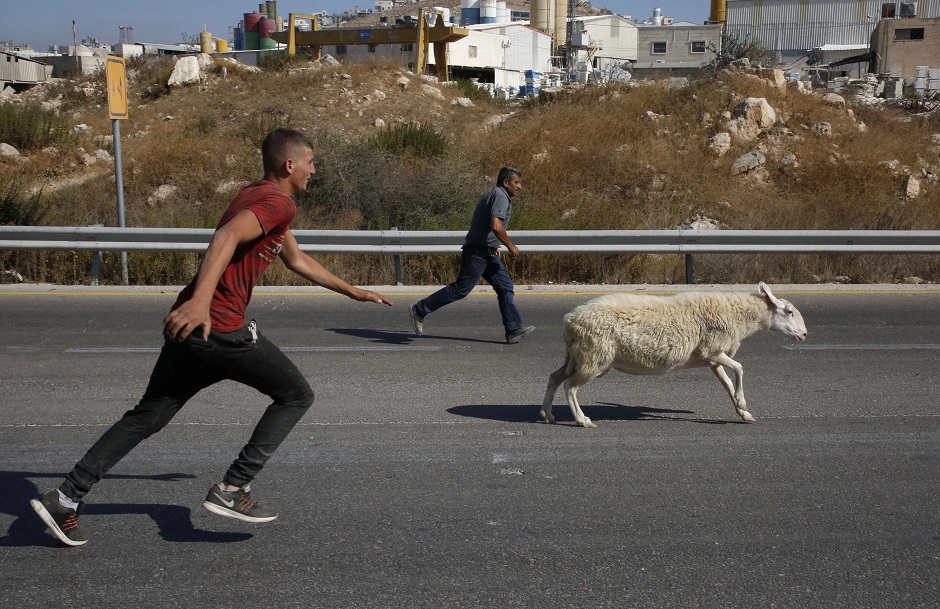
496,225
194,313
311,270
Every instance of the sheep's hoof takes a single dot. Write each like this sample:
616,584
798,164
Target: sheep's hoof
747,417
587,423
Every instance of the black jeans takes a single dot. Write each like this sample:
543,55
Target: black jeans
181,371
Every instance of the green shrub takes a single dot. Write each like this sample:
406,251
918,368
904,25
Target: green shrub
419,139
31,126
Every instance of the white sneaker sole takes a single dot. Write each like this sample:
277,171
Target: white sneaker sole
221,511
53,527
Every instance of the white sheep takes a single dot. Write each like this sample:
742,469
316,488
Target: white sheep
646,334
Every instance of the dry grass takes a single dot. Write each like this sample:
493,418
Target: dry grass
617,157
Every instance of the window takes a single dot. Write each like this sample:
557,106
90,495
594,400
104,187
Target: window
408,47
887,10
471,51
697,46
659,48
372,48
341,49
909,33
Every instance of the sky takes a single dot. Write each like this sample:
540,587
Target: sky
41,23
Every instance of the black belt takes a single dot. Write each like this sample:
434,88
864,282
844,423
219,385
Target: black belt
483,251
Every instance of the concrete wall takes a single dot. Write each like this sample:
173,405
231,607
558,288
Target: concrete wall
899,49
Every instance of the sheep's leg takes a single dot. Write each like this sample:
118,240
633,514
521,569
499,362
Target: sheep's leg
554,380
571,392
735,390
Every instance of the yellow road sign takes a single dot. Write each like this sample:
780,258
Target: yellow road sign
117,88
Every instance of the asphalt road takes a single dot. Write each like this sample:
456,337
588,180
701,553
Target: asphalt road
420,478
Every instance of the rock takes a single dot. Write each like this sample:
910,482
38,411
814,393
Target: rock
204,61
822,129
329,61
162,193
10,277
102,155
379,95
749,118
463,102
185,71
432,92
403,82
541,157
379,123
775,77
747,162
912,188
757,110
81,129
8,151
834,100
720,143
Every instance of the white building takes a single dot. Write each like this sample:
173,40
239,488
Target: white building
604,41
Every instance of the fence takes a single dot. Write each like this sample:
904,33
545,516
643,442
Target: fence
397,243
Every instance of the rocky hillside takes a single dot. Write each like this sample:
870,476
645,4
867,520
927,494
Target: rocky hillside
740,149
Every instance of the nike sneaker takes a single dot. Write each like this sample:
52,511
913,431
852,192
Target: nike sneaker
237,504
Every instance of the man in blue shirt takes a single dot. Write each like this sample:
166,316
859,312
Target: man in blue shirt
480,258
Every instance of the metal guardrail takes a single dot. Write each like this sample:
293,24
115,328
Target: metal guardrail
397,243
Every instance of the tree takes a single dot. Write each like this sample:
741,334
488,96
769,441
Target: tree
732,48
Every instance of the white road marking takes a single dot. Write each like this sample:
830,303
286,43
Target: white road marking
864,347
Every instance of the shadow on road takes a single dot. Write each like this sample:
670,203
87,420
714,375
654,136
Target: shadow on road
174,522
603,412
403,338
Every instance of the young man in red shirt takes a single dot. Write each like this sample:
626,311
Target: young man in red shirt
207,340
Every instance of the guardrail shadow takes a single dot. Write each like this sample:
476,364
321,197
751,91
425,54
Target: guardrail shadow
173,522
605,411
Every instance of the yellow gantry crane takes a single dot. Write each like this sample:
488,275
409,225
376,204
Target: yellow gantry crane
422,35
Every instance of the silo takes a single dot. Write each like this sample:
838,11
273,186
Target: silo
561,22
205,42
266,27
718,12
542,14
469,12
271,11
488,11
252,32
238,33
502,13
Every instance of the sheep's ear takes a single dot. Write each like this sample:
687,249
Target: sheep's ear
769,297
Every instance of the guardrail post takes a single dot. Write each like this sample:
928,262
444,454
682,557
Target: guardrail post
689,276
96,263
399,280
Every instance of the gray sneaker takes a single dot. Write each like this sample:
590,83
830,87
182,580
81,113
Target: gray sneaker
514,336
417,321
62,521
237,504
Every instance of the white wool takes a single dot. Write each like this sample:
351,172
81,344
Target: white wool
645,334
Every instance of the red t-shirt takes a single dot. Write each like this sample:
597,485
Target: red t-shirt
275,211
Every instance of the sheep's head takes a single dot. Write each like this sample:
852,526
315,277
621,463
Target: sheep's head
784,317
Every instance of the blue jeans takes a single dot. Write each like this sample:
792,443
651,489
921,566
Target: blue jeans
182,370
476,263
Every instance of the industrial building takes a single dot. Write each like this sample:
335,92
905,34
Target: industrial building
808,32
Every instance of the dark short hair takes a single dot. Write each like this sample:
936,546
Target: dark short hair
506,173
280,145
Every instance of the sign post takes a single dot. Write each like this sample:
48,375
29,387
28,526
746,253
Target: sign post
117,111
